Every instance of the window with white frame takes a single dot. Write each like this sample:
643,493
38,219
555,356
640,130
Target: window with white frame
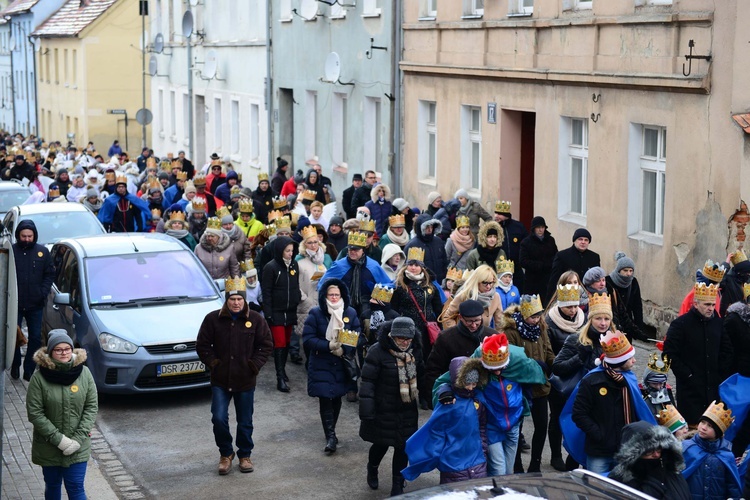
520,7
471,147
311,124
173,113
428,9
285,10
473,7
427,142
235,147
217,124
339,127
254,133
653,163
372,134
573,169
370,8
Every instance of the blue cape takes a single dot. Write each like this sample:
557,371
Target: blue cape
110,204
449,441
340,267
574,438
734,393
169,196
695,455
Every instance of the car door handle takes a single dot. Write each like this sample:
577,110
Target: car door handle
56,308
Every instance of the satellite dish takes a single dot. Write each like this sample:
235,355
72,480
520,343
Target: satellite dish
159,43
194,3
187,24
153,65
144,116
333,67
12,43
309,9
212,61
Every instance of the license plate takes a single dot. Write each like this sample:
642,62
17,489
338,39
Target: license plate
185,368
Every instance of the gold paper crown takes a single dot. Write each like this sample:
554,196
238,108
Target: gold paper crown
263,176
214,223
382,293
283,223
121,179
235,190
309,232
713,271
367,225
659,363
181,176
356,239
150,162
348,337
614,344
177,215
502,206
274,214
670,418
746,291
600,303
237,284
271,229
397,220
199,180
153,183
503,265
308,195
215,163
705,293
462,221
222,212
54,192
246,206
415,253
155,213
110,176
738,256
165,165
279,202
454,274
531,305
247,265
199,204
719,415
495,351
568,293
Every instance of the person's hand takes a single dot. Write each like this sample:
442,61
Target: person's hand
338,352
446,398
333,345
68,446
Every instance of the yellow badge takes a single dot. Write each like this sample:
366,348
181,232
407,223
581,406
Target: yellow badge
512,294
429,291
268,203
292,272
40,254
509,387
515,240
346,320
603,391
248,324
476,405
73,388
221,258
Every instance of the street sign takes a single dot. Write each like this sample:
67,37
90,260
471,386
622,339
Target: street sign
117,111
144,116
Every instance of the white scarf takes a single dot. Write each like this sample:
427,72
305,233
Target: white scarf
336,324
318,256
415,277
505,288
398,240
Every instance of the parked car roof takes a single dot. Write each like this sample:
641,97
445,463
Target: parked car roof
124,243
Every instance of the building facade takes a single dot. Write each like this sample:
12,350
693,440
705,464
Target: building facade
589,114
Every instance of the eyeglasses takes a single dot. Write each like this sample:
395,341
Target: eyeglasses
488,283
472,321
62,350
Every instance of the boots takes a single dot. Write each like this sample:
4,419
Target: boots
398,485
284,356
372,477
535,465
329,427
279,361
558,463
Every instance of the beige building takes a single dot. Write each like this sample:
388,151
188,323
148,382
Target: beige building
581,111
89,65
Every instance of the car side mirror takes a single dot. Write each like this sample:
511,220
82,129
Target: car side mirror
221,285
61,299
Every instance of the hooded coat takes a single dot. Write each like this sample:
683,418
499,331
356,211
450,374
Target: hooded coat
737,328
711,472
361,196
280,286
317,186
451,343
326,373
35,270
388,252
541,350
447,216
659,478
278,179
220,260
265,201
535,257
475,258
435,258
309,276
379,212
224,190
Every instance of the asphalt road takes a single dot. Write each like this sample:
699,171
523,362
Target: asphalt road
165,441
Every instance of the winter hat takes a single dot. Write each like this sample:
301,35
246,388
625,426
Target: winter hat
58,336
670,418
622,261
470,309
432,196
232,175
162,175
299,177
281,162
351,225
495,352
336,221
652,377
616,347
227,219
246,192
91,193
356,177
462,193
400,203
190,188
471,377
581,232
538,221
593,275
403,327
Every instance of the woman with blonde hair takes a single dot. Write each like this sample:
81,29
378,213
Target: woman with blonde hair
460,243
479,286
489,246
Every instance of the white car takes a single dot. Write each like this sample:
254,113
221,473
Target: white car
54,221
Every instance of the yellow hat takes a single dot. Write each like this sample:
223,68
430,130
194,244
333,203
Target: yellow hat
600,303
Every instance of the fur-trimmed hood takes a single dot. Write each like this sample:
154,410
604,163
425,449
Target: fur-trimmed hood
43,359
482,234
374,192
424,220
507,322
462,365
742,310
640,437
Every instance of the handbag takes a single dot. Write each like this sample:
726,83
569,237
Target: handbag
565,386
433,329
351,366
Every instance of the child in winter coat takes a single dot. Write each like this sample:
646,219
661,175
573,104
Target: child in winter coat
509,294
711,470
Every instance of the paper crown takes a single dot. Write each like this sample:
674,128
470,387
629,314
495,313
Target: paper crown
309,232
713,271
670,418
720,415
308,195
177,215
151,162
271,229
235,191
199,204
110,176
367,225
165,165
462,221
121,179
659,363
279,202
503,265
181,176
153,183
247,265
397,220
454,274
502,207
283,223
214,223
234,285
382,293
495,352
357,239
348,337
54,192
616,347
600,303
221,212
199,180
531,305
738,256
263,176
246,206
568,295
274,214
746,291
705,293
415,253
215,163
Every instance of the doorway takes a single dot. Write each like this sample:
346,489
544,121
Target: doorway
517,143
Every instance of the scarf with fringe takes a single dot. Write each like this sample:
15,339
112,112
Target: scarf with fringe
407,375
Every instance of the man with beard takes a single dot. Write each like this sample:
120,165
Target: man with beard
21,170
435,258
514,233
63,182
123,212
155,198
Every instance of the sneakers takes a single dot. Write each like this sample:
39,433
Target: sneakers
246,465
225,463
352,397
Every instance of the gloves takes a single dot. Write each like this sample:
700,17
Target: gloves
333,345
338,351
68,446
446,398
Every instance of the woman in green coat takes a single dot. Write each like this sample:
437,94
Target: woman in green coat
177,228
62,404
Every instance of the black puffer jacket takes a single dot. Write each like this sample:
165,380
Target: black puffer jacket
737,327
386,419
280,286
573,356
435,258
535,257
35,270
558,336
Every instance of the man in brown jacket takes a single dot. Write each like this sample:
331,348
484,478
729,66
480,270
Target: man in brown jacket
234,342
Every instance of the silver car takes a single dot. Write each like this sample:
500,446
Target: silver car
135,302
54,221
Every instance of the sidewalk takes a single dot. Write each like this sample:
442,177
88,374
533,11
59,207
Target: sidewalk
20,478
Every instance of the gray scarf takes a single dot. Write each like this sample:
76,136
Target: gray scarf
485,298
619,280
177,233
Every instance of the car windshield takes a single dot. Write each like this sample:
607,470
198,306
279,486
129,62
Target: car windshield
9,199
148,277
54,226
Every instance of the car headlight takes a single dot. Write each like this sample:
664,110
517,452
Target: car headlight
112,343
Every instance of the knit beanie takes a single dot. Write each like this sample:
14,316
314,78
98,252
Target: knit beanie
434,195
58,336
622,261
91,193
336,221
462,193
403,327
593,275
227,219
581,232
471,377
400,203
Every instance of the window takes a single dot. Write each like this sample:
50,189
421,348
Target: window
520,7
46,65
285,10
577,4
573,169
370,8
161,113
339,127
473,8
471,147
65,67
428,9
185,116
235,127
427,145
217,124
74,65
57,68
372,135
173,114
254,133
311,124
653,163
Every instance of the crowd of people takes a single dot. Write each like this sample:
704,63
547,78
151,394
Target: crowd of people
446,307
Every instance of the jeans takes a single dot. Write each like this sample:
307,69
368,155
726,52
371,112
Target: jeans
73,476
600,464
501,456
243,407
34,324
